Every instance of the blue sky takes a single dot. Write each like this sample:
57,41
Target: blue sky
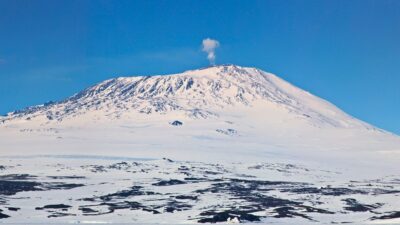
347,52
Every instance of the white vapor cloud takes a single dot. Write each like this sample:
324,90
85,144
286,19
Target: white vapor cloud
209,46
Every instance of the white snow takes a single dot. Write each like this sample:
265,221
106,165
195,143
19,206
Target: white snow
229,114
131,116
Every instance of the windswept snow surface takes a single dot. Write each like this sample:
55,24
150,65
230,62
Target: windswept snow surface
221,114
76,189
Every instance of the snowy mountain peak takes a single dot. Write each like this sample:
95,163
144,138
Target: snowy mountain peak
219,112
200,93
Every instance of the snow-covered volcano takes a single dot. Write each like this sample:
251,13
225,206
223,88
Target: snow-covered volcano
208,113
202,93
241,145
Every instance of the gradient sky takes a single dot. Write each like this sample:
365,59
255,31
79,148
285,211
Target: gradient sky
345,51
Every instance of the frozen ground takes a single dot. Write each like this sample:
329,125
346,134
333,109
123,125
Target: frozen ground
75,189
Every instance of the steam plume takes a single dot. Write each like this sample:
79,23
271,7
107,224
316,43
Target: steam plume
209,46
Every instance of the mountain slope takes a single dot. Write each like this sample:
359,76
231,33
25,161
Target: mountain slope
197,93
224,110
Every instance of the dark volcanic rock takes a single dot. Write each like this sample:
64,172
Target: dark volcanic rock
116,201
325,191
391,215
61,186
87,210
215,217
3,216
112,206
17,177
173,206
8,187
169,182
194,179
354,206
176,123
13,183
13,208
253,194
55,206
189,197
60,214
288,211
66,177
134,191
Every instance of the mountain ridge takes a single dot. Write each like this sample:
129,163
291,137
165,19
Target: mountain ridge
214,114
198,93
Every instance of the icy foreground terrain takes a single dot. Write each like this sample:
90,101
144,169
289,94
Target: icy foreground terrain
244,145
71,189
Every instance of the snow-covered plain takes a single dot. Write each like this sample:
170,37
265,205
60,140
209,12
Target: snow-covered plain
76,189
227,118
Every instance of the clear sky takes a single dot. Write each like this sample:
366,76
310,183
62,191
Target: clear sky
345,51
